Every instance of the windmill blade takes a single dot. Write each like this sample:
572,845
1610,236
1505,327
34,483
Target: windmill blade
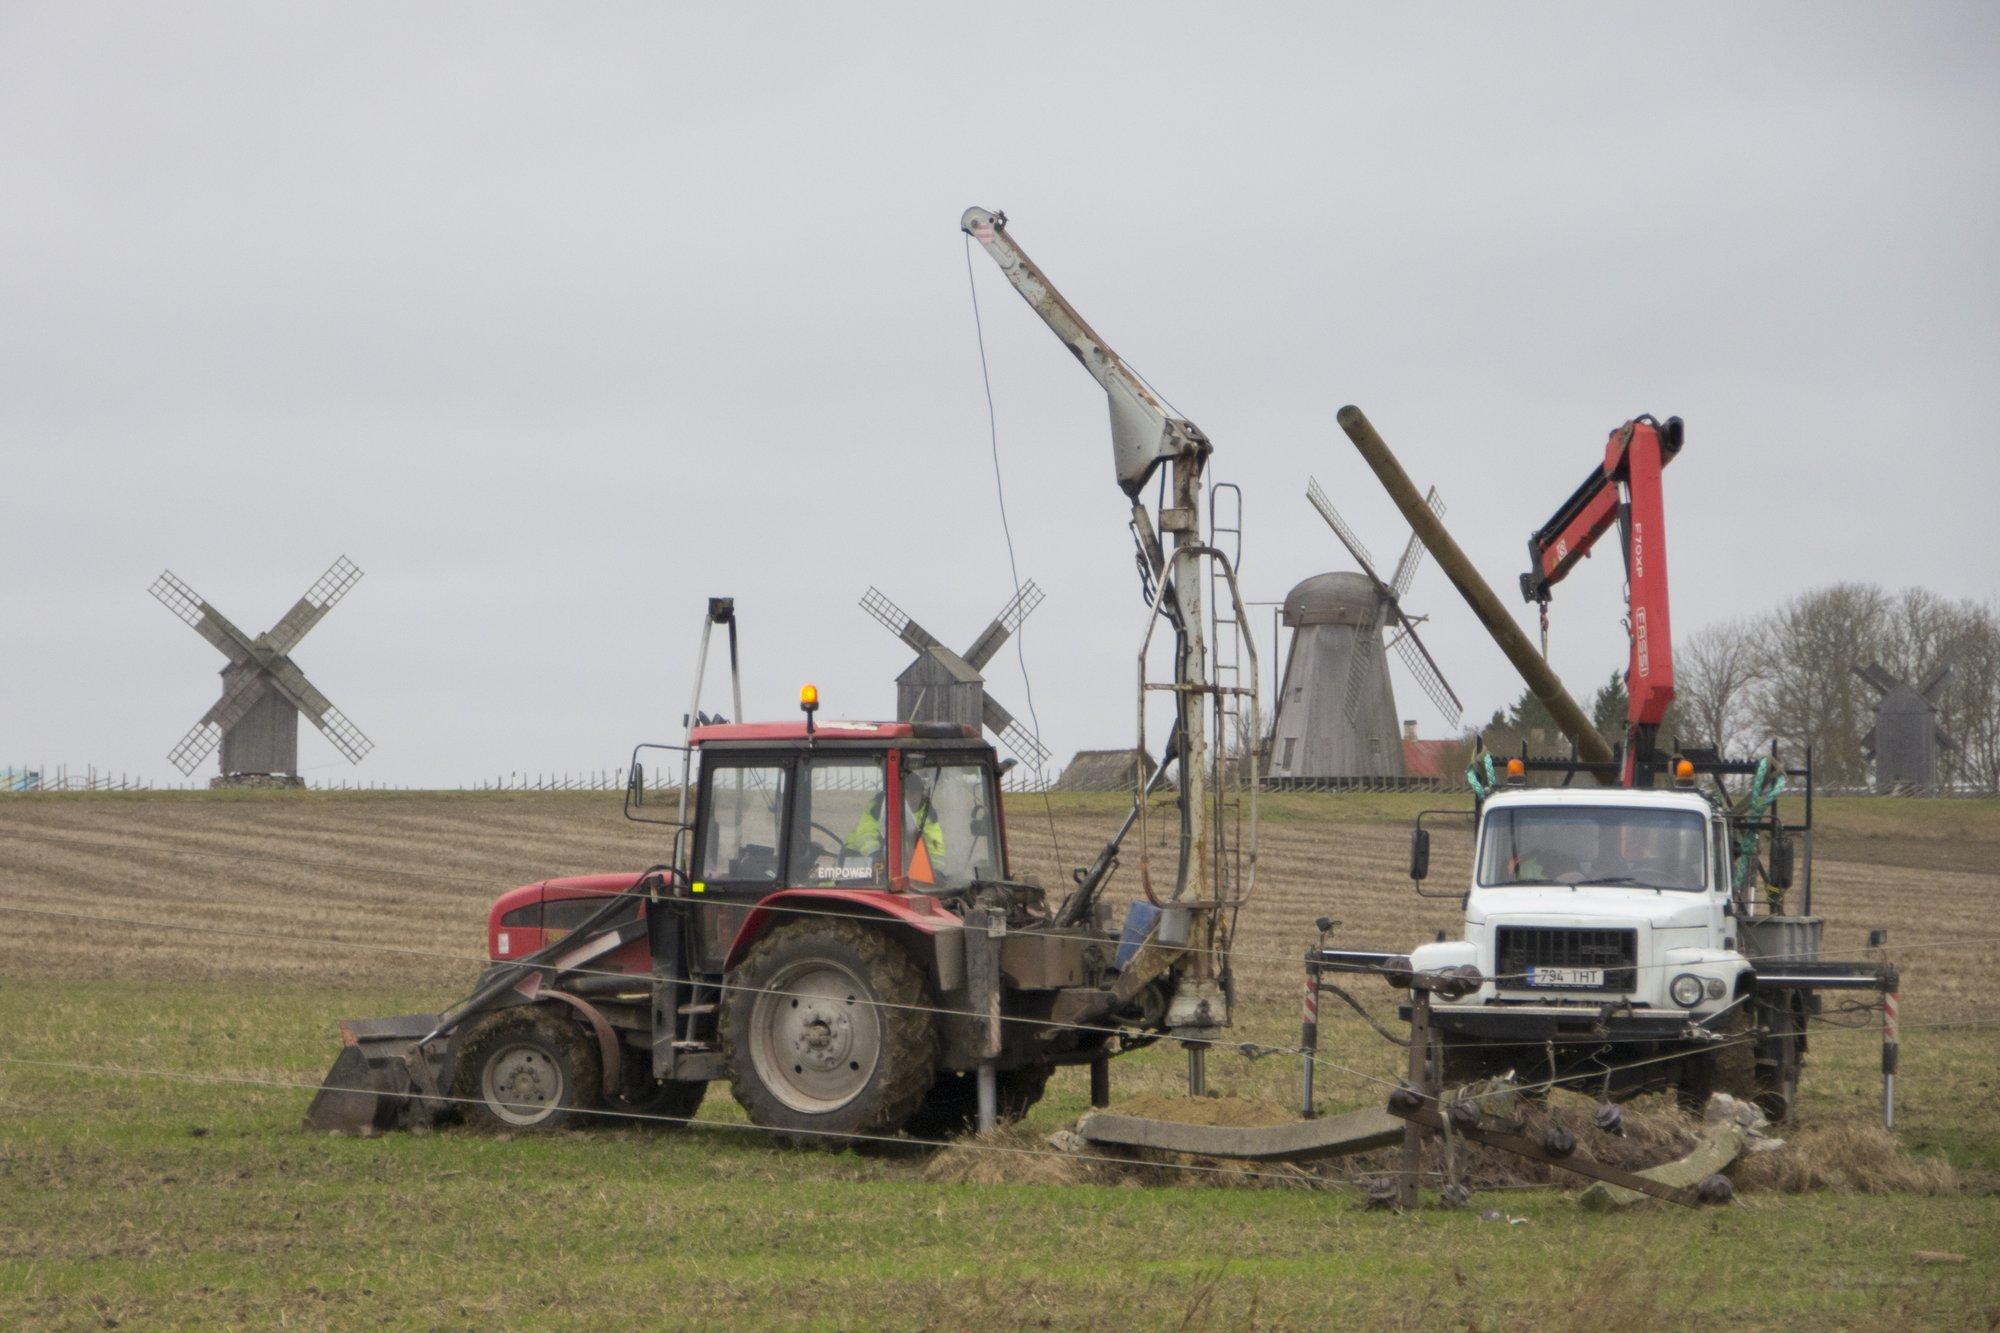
309,609
202,738
1875,675
1015,736
988,643
1340,529
1425,668
1933,684
318,709
1361,666
1413,550
205,620
897,621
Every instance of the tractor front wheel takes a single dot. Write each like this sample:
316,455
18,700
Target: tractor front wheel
826,1034
528,1068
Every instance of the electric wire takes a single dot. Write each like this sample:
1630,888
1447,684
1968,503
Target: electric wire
1249,1049
1601,1073
489,882
899,1141
641,979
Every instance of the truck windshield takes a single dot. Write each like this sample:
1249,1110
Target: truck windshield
1613,845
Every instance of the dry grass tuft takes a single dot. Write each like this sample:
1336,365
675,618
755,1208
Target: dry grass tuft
1850,1159
1007,1156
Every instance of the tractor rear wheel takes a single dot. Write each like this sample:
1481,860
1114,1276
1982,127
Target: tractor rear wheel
951,1107
528,1068
825,1033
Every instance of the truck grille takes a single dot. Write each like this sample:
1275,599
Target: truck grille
1522,947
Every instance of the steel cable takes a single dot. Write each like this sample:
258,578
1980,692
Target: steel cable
489,882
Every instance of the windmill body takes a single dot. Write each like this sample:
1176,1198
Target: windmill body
1337,717
1906,742
940,687
944,686
1336,644
256,721
265,740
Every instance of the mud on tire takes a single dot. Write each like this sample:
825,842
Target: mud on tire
527,1068
827,1033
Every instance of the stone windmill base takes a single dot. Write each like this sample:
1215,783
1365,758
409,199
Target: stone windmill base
259,781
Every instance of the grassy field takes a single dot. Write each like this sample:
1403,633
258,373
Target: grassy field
136,1200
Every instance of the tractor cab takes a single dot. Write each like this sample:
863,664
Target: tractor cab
864,810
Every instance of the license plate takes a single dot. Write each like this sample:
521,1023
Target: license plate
1565,976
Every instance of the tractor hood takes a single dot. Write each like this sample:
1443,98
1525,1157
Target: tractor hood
1660,909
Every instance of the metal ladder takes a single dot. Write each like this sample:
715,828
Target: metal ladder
1235,748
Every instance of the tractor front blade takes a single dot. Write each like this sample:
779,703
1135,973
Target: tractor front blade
380,1079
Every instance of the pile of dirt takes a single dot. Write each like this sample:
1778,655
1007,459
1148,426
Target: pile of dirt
1007,1156
1858,1159
1654,1130
1851,1159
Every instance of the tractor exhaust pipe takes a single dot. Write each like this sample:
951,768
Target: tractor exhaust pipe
1541,679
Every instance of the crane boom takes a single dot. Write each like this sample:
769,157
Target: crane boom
1145,435
1625,491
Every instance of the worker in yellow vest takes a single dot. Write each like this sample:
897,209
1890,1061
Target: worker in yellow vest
867,835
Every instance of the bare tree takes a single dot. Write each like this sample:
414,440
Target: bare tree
1808,695
1717,671
1970,710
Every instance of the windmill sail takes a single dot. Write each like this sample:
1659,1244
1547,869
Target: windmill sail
1011,615
1340,528
1413,550
311,608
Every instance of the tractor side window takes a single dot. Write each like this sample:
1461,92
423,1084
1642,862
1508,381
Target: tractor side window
951,836
840,829
741,838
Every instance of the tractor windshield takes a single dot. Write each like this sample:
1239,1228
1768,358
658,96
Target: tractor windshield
839,833
950,833
1601,845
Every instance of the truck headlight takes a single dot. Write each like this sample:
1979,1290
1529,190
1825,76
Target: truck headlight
1686,990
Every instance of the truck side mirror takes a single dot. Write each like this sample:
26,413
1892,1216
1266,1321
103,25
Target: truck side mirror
635,786
1778,869
1420,853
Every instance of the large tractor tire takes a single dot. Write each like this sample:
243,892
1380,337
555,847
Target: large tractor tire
528,1068
951,1107
825,1033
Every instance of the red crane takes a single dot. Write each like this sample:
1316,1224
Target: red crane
1626,491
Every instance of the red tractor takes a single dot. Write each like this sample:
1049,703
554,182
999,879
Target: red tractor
837,931
842,942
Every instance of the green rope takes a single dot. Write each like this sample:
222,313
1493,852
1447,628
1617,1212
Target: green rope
1765,785
1482,784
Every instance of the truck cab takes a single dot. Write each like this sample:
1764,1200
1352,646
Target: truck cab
1581,900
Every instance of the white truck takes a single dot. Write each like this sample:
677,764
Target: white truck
1603,925
1633,936
1613,943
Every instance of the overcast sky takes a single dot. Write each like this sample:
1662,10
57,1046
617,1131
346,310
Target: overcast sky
559,319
